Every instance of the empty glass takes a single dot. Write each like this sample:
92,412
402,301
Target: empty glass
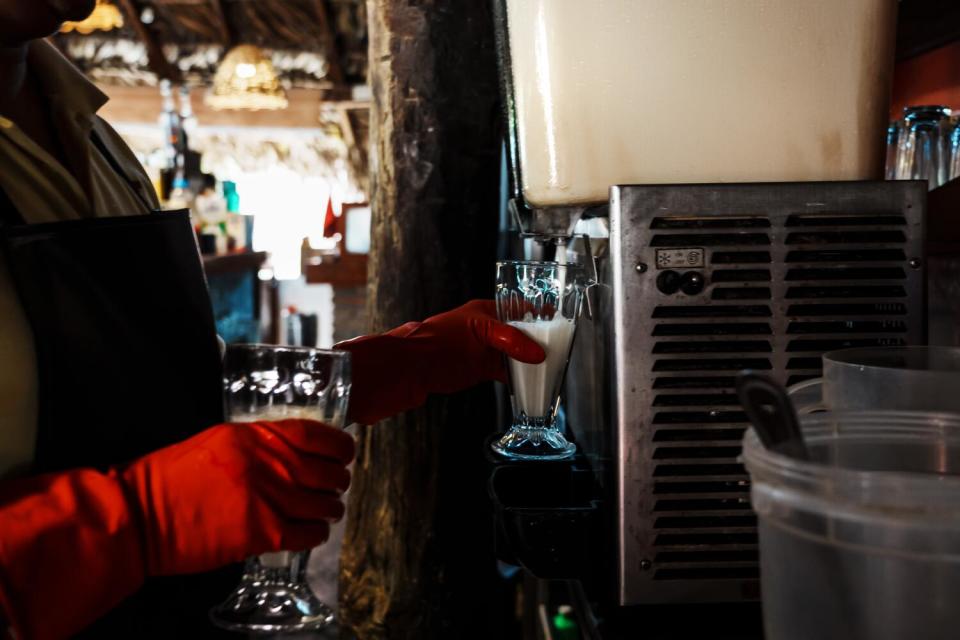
922,152
543,300
263,382
954,170
893,138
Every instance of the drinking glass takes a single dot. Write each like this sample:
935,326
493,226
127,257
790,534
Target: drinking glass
954,171
893,137
922,153
543,300
263,382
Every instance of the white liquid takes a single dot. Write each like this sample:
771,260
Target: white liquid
278,412
677,91
535,386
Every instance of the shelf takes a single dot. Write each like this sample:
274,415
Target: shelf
233,262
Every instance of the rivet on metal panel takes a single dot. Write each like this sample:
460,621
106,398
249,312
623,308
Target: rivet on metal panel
915,263
645,565
641,267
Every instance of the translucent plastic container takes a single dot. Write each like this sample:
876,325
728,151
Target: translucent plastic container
677,91
862,543
884,378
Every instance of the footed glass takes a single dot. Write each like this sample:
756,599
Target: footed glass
543,300
263,382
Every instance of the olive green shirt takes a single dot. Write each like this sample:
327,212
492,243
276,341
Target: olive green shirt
43,190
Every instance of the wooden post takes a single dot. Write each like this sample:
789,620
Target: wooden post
417,560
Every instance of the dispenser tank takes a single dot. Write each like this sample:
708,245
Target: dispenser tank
609,92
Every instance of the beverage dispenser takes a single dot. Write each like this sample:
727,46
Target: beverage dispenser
716,164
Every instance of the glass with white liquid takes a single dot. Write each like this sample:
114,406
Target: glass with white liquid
264,382
543,300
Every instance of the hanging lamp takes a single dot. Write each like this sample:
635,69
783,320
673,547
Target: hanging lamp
246,79
105,17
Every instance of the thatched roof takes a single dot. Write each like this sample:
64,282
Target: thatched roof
313,43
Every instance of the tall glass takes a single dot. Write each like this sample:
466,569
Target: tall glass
923,150
954,171
543,300
263,382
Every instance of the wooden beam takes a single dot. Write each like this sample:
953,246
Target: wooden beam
418,560
334,70
157,61
226,33
346,127
924,25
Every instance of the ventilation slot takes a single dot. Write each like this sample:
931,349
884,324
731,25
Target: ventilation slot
741,275
741,293
708,573
674,488
695,470
865,273
705,522
849,326
745,555
872,309
846,292
705,504
848,255
704,539
727,346
713,382
700,435
710,222
694,453
734,364
804,363
741,257
709,239
846,237
842,343
834,220
698,417
699,400
714,311
718,329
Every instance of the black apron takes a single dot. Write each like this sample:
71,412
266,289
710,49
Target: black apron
128,362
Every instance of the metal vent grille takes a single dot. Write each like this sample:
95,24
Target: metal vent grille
789,272
702,524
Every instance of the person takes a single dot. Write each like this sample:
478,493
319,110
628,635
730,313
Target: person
118,474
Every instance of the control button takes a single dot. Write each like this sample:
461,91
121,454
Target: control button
668,282
691,283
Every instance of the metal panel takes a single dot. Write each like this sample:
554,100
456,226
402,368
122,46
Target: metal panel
789,271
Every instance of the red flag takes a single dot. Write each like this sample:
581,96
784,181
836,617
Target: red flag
329,220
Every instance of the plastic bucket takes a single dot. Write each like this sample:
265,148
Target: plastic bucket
884,378
862,542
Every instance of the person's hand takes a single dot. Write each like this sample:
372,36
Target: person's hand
84,540
236,490
396,371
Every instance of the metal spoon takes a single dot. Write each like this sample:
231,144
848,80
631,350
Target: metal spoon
770,410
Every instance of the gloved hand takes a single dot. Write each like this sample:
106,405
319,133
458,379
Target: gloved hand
74,544
397,370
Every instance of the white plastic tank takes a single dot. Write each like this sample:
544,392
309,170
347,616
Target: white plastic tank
692,91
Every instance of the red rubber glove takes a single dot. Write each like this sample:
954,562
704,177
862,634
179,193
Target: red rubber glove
74,544
396,371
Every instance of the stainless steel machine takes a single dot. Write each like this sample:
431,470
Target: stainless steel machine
759,240
700,282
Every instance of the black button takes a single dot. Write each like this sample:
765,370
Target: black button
691,283
668,282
